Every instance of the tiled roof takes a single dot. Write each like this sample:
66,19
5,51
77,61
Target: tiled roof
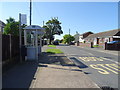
86,33
104,34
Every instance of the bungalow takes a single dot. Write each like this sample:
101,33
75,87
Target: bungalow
83,36
102,37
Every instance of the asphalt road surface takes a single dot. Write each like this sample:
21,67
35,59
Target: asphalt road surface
101,67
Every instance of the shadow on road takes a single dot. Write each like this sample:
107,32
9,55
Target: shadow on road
78,63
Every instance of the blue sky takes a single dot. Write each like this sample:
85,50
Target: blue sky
76,16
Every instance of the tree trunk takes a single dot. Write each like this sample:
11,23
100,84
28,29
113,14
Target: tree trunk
50,41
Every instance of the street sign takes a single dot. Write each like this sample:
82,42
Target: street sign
23,19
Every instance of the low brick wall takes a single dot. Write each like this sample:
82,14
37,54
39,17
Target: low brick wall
85,44
102,45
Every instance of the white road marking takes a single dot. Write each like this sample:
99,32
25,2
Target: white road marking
110,60
90,54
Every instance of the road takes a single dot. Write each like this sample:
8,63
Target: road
101,67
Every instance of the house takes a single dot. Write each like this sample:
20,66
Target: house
83,36
2,25
102,37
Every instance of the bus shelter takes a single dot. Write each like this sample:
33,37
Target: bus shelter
33,41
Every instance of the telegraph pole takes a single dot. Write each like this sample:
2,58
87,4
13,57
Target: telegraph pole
69,31
30,11
20,36
43,23
69,36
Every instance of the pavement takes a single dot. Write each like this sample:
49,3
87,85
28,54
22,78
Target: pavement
52,71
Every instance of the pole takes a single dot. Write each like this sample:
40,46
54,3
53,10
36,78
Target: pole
20,35
43,23
69,36
30,11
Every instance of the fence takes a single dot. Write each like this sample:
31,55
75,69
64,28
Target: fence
10,49
115,46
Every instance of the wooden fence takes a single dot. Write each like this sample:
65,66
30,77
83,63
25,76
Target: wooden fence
10,48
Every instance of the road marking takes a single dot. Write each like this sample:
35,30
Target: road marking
112,66
109,60
100,70
90,54
103,65
105,68
116,66
87,59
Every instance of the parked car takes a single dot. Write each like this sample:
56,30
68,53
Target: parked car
56,42
72,43
113,42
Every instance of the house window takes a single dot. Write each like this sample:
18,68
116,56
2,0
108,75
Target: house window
106,39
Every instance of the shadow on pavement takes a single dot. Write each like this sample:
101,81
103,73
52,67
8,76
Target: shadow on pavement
60,68
49,58
56,59
22,74
19,76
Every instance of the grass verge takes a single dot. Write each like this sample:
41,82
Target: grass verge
95,46
51,46
54,51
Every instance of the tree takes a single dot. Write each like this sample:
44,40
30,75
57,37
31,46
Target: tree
10,20
68,38
12,27
52,28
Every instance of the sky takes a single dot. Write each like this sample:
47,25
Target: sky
76,16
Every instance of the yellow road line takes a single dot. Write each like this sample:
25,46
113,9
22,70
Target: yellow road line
87,59
100,70
102,65
109,65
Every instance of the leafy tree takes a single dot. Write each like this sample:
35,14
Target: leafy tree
12,27
10,20
52,28
68,38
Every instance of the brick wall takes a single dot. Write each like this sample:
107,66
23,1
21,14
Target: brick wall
85,44
102,45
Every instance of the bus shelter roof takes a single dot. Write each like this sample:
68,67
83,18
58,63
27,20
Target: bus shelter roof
34,28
